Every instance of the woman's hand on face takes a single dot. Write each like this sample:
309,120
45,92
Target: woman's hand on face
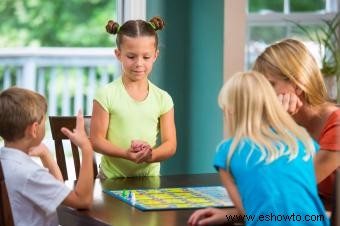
290,102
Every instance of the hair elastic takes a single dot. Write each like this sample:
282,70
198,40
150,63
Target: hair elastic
152,25
118,28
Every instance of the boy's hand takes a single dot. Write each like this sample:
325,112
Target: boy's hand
38,151
78,135
47,160
290,102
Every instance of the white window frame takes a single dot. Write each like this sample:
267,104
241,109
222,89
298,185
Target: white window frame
331,9
272,18
131,10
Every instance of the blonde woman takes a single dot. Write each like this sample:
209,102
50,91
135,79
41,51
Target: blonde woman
266,163
297,80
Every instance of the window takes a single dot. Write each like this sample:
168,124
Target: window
61,50
269,21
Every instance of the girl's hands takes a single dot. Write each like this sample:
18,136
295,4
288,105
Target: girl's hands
139,151
290,102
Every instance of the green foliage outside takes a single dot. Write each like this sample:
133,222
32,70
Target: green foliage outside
260,5
61,23
277,5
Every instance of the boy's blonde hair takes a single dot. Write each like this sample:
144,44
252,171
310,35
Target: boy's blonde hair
290,60
253,111
19,108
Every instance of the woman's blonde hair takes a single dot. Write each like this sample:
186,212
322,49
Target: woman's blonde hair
290,59
253,111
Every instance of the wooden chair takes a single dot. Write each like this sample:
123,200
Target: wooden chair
335,217
6,217
56,123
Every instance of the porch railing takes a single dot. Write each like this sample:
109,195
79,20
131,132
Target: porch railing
67,77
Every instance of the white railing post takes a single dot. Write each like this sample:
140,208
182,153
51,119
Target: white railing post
7,78
91,90
41,81
29,74
104,77
19,80
78,99
52,97
66,97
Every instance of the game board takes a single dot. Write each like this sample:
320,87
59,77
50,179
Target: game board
174,198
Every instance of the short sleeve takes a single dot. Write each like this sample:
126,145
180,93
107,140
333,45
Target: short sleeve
329,137
167,103
102,98
42,189
220,160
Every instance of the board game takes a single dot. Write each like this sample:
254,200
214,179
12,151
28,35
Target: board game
174,198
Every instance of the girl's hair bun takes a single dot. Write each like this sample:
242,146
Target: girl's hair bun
112,27
158,23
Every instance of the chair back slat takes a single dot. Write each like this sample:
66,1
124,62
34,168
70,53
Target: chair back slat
60,155
76,159
6,217
56,123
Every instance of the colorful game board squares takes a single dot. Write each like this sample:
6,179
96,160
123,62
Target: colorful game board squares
174,198
163,196
150,201
174,201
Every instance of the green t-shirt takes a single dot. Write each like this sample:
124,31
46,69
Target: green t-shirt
131,120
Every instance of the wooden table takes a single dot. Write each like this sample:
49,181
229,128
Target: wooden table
107,210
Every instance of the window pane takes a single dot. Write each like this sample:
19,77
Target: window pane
267,34
260,38
307,5
310,39
310,31
262,6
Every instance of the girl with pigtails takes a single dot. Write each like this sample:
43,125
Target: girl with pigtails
131,112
